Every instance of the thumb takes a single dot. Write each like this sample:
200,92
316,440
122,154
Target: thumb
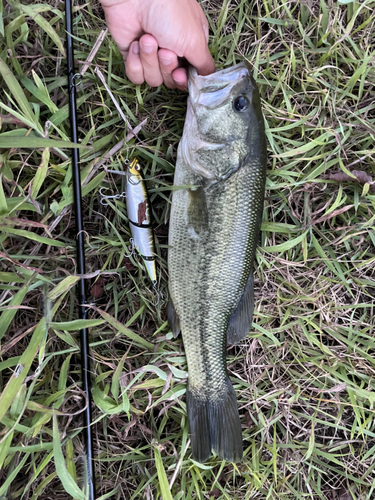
198,55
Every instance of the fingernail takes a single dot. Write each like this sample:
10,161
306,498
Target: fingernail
166,61
135,48
179,82
147,47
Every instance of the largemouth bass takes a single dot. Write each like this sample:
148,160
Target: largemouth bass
213,233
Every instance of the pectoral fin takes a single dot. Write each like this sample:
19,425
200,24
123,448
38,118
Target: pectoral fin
242,318
197,210
173,319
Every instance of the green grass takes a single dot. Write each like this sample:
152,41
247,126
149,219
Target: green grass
304,377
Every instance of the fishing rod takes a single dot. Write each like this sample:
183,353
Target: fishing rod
80,251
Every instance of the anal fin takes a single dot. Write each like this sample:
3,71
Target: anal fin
241,320
173,319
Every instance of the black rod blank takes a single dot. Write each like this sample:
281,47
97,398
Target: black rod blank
80,251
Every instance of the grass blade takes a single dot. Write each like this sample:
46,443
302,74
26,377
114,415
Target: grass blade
66,479
162,476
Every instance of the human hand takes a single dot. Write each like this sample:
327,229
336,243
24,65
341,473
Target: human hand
153,34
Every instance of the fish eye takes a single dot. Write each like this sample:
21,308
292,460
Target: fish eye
240,103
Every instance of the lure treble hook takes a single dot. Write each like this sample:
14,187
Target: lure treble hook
105,197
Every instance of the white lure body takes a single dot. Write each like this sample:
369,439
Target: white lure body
139,215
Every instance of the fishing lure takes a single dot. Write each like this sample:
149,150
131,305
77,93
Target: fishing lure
139,214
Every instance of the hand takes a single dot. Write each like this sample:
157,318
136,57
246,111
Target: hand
153,34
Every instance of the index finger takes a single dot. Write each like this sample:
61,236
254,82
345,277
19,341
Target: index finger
123,33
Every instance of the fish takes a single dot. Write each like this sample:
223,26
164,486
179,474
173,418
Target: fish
139,215
214,227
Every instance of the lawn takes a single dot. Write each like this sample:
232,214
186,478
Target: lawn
304,376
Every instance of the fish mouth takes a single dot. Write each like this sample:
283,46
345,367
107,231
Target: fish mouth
225,75
212,90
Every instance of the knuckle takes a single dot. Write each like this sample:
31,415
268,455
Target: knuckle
134,74
137,80
154,82
149,64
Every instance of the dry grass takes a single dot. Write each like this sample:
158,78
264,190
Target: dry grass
304,377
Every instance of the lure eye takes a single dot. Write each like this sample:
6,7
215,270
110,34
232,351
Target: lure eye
137,167
240,103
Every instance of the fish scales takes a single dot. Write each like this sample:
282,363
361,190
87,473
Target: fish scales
214,228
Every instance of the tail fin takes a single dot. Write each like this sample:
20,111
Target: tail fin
215,425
